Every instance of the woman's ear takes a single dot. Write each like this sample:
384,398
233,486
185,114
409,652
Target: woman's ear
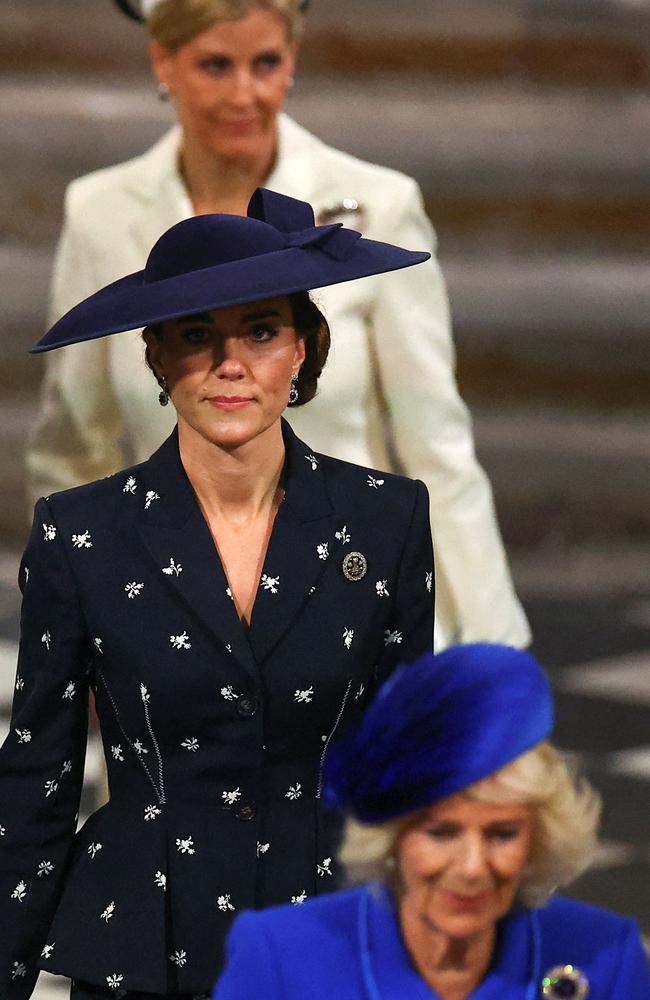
152,352
300,353
161,63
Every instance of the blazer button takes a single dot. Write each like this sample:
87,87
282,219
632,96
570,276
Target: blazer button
247,706
246,811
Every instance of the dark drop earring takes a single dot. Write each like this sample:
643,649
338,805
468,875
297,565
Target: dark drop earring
293,391
163,395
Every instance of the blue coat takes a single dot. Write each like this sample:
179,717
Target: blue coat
348,946
215,737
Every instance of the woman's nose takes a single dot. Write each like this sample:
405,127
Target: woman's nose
472,858
243,86
225,358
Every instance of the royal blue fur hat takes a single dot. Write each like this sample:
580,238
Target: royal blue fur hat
211,261
437,726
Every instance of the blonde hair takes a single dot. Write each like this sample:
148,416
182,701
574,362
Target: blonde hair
173,23
567,812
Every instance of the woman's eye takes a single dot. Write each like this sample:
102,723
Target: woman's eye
196,335
505,833
268,61
215,65
441,832
260,334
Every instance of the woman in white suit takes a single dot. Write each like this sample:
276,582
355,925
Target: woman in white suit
227,65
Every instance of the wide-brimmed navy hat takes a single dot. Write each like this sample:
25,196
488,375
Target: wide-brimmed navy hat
437,726
139,10
211,261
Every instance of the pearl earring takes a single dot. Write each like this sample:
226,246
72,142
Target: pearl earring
163,395
163,91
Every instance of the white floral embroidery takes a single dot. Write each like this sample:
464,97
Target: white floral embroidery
49,533
46,639
348,636
382,588
47,950
223,902
185,845
375,483
191,743
26,574
160,879
300,898
428,581
144,694
232,796
133,590
228,693
70,691
174,568
295,791
359,693
343,535
50,787
149,498
98,644
150,812
82,540
323,550
108,912
94,849
19,969
179,958
229,593
20,891
3,831
392,637
20,683
67,767
139,747
270,583
24,735
130,485
117,752
262,848
324,868
228,647
180,641
114,980
313,461
303,696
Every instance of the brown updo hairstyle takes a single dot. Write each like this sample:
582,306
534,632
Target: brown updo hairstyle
310,325
173,23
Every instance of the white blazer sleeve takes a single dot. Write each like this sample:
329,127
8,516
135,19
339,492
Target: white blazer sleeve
432,434
76,436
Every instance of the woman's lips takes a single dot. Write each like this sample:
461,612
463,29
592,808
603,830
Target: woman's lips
229,402
459,901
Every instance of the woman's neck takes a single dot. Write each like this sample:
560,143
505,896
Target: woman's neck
223,184
452,967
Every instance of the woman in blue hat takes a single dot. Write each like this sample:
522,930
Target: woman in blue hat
464,820
232,603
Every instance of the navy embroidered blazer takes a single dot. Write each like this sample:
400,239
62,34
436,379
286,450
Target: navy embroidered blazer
214,737
349,946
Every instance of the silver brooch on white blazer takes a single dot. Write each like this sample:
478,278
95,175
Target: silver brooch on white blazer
349,211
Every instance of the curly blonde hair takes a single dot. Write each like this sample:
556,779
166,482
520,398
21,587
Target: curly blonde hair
567,813
173,23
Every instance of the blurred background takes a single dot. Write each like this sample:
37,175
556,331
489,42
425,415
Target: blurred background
527,125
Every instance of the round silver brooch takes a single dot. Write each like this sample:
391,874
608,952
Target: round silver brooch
565,982
355,566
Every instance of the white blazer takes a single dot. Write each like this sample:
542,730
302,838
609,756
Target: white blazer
389,377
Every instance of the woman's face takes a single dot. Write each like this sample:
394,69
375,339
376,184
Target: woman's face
229,370
230,82
460,864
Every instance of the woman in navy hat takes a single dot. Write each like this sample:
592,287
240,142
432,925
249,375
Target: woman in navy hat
464,820
232,602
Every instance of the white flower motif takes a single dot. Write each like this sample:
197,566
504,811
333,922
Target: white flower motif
323,550
46,639
150,812
108,912
114,980
19,969
144,694
392,637
180,641
94,849
24,735
300,898
343,535
47,950
382,588
69,692
303,696
428,581
82,540
348,636
295,791
228,647
49,531
179,958
228,693
174,568
262,848
149,498
98,644
229,593
20,683
185,845
67,767
375,483
3,831
324,868
117,752
270,583
313,461
20,891
50,787
160,879
139,747
191,743
232,796
26,575
133,590
223,902
359,693
130,485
